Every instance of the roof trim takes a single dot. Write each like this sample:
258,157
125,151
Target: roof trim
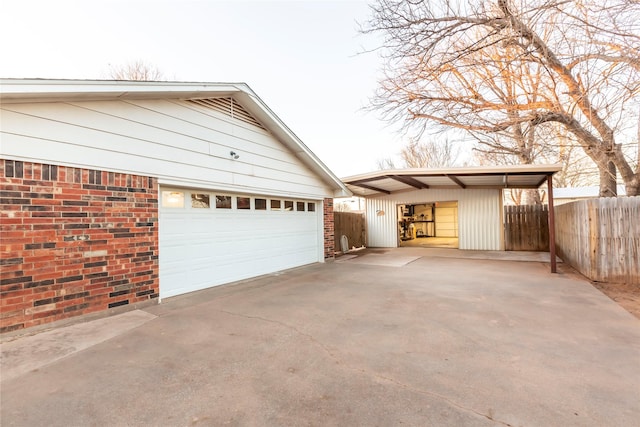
45,90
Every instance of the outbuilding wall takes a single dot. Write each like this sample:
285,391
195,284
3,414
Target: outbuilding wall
479,216
74,241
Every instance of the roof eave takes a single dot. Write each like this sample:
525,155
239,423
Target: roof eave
40,90
265,115
543,169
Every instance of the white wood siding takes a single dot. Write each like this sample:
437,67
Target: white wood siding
479,216
176,141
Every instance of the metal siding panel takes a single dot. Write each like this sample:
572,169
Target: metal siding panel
436,180
479,217
381,229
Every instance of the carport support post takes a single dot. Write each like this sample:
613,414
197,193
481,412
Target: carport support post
552,224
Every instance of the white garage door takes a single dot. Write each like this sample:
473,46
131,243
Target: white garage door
209,238
446,219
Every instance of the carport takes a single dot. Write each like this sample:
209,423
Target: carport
476,191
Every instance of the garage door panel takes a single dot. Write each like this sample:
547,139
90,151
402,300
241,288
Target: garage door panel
200,248
446,221
239,256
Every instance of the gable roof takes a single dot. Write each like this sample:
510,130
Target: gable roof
45,90
398,180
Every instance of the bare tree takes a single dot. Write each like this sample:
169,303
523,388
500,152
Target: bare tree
387,163
136,70
342,206
578,170
425,154
573,64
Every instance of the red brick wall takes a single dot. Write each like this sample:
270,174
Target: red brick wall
74,241
329,244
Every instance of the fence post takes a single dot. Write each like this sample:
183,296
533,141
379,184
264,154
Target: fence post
552,224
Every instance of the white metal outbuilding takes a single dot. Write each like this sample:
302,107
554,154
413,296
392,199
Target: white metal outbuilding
479,218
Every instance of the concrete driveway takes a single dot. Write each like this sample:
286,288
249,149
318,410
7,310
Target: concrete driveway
406,337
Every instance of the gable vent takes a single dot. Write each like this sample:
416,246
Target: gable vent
230,108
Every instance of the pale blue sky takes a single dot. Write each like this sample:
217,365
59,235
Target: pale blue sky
301,58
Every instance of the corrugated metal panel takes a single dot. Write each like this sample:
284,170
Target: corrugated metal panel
479,216
388,184
480,220
436,181
382,219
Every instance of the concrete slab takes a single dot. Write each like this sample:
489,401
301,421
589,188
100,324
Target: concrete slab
523,256
440,341
29,353
378,259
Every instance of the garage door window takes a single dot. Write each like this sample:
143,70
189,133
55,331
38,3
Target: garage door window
223,202
244,203
200,201
261,204
172,199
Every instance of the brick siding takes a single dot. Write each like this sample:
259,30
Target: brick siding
329,235
74,241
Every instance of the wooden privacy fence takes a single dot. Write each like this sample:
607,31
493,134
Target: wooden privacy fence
601,238
349,224
526,228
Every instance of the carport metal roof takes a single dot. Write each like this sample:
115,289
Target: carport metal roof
521,176
397,180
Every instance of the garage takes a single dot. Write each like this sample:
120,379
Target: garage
428,224
139,191
209,238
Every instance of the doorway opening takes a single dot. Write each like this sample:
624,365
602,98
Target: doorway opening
428,225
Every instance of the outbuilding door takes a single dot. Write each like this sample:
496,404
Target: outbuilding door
210,238
446,214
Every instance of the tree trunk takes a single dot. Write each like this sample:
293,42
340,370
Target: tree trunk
608,185
531,197
632,187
